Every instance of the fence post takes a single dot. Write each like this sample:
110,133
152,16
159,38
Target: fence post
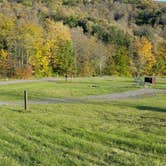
25,100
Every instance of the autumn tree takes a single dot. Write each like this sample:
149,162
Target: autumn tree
62,58
81,47
121,60
3,63
160,66
90,54
143,56
30,47
110,66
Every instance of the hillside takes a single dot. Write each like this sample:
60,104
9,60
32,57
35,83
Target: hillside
82,37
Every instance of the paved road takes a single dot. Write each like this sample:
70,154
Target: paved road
113,96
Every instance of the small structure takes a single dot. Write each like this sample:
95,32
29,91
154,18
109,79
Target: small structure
150,80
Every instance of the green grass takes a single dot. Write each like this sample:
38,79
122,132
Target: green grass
160,83
73,88
62,89
126,132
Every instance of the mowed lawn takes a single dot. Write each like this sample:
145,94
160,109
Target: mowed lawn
71,89
125,132
74,88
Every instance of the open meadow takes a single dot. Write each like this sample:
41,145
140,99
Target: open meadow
129,131
61,89
82,83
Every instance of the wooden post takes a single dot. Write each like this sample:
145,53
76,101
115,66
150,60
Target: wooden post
25,100
66,76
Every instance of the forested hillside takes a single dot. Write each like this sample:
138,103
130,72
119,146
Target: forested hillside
82,38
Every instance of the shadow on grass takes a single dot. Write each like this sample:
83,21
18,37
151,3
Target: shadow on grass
150,108
139,107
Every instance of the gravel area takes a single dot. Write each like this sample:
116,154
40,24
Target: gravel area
128,94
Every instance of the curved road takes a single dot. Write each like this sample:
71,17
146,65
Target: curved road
113,96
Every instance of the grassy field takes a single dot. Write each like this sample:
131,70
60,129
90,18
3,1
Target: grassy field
73,88
161,83
61,89
125,132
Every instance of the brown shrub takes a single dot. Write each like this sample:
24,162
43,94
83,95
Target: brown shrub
23,72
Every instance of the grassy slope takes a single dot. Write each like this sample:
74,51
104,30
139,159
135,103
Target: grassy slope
125,132
128,132
61,89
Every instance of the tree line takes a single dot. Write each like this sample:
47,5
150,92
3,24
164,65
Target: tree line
46,38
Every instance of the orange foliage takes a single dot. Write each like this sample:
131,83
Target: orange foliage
23,72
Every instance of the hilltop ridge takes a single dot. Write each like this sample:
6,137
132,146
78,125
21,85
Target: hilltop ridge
98,29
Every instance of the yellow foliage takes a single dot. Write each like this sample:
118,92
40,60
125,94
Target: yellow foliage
161,58
6,24
4,54
56,35
144,50
33,29
60,31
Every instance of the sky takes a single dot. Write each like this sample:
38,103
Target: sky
161,0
